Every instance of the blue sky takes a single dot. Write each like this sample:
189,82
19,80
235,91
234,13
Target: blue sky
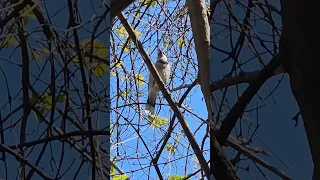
194,101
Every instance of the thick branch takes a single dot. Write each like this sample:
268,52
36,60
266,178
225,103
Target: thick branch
231,119
245,77
221,167
117,6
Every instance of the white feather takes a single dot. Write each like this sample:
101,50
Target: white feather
163,68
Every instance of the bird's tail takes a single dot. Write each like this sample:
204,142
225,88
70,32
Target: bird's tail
151,105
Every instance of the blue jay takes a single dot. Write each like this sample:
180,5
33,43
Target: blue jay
163,68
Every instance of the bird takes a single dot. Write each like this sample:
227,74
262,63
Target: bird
163,68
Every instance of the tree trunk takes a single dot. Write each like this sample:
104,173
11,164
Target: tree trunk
301,45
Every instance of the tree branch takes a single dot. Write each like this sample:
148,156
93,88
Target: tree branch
221,168
166,94
231,119
117,6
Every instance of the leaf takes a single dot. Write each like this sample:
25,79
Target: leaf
165,45
47,98
46,50
120,177
76,61
126,48
112,171
119,64
181,43
140,79
29,15
10,40
137,32
37,56
112,74
97,45
156,121
111,130
61,98
124,94
122,32
100,69
14,42
176,177
154,4
146,2
171,148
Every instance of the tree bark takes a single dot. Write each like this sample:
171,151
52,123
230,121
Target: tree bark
301,40
118,6
221,168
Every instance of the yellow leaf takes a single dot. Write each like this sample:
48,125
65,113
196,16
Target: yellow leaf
137,32
30,14
120,177
119,64
112,74
102,52
181,43
11,40
76,61
112,171
126,48
100,70
46,50
122,32
140,79
124,94
156,121
111,130
37,56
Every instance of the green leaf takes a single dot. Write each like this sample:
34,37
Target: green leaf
120,177
124,94
101,69
112,74
176,177
10,40
112,171
140,79
47,98
181,43
154,4
111,130
60,98
37,56
171,148
156,121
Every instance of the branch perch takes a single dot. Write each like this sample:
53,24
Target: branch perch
166,94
